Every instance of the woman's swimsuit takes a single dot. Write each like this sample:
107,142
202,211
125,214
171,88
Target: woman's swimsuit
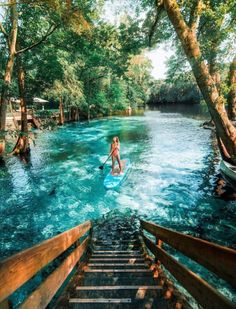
115,149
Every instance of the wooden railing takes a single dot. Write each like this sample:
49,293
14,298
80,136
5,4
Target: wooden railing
21,267
218,259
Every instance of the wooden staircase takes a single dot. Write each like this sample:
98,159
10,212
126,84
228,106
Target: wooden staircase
118,273
118,263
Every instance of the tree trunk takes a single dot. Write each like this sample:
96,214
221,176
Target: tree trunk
8,70
224,128
74,113
214,71
22,144
13,116
61,113
232,93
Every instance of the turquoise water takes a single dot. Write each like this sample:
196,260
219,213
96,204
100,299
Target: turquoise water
172,181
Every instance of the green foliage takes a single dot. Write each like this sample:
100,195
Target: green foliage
86,61
216,33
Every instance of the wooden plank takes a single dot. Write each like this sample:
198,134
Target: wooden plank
117,255
116,251
119,241
100,300
19,268
131,260
115,264
118,287
206,295
218,259
41,297
117,271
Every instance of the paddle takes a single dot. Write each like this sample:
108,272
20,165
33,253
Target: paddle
102,166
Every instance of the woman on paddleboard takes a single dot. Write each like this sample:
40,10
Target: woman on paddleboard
115,154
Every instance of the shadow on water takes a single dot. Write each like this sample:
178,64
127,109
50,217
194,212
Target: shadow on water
195,111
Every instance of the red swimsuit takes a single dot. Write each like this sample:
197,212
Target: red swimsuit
115,149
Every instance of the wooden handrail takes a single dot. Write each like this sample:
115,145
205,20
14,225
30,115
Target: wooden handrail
218,259
19,268
42,296
205,294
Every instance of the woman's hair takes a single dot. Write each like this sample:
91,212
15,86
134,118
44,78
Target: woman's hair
116,139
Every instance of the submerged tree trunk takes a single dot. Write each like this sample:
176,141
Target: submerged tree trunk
11,41
22,144
232,93
224,128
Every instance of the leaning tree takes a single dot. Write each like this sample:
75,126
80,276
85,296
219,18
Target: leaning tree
204,28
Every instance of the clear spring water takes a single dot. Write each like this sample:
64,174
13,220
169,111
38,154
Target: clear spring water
172,181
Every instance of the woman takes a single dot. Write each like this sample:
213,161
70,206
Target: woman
115,154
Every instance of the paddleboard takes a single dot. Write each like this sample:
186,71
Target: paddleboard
113,181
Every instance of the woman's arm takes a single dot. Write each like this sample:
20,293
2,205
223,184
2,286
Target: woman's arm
110,150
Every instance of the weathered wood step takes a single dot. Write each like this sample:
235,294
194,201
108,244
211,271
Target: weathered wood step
117,251
100,300
149,303
128,259
116,264
133,255
119,293
119,267
119,279
128,247
141,270
116,240
118,287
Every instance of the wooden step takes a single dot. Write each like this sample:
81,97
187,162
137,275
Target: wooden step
131,255
116,251
117,271
115,240
134,304
115,264
100,300
118,287
128,247
119,279
129,260
119,293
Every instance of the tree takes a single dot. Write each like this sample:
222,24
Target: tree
186,20
11,42
31,21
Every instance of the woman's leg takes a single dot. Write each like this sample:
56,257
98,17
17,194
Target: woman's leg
113,165
119,162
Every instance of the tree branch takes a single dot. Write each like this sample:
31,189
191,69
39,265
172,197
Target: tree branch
3,31
49,32
195,15
159,9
